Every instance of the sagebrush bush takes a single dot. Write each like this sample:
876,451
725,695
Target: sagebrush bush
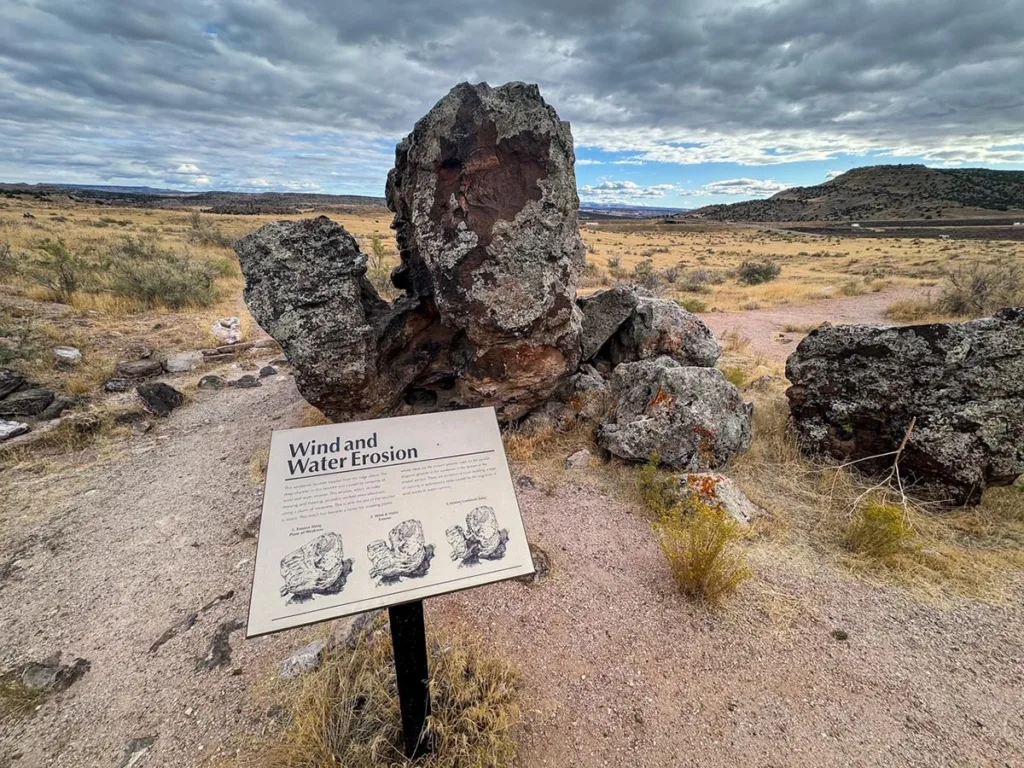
8,266
977,289
693,304
58,270
735,375
700,548
614,262
757,272
140,269
880,531
204,232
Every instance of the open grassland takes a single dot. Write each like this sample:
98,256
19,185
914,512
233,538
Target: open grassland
699,264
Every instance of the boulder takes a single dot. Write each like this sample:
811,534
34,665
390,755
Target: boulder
717,490
139,369
9,429
26,402
485,204
11,381
159,398
693,418
603,314
661,327
857,388
116,385
183,362
67,357
227,330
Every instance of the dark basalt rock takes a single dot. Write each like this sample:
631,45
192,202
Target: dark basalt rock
603,313
159,398
26,402
139,369
857,388
485,206
11,382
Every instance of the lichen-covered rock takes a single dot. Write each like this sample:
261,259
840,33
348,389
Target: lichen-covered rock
857,388
603,314
661,327
485,206
691,417
716,490
12,381
484,196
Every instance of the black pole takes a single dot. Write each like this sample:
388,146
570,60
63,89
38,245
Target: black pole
409,638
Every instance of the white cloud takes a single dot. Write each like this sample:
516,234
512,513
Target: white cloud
832,174
628,192
743,187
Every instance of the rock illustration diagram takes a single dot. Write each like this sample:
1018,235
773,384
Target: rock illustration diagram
405,555
317,568
480,540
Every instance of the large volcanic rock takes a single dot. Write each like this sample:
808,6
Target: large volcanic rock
857,388
485,205
691,417
661,327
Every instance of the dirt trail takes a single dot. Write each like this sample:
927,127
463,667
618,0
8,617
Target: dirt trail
619,669
766,327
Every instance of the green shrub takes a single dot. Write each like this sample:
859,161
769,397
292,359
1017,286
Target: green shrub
693,304
880,531
8,266
757,272
735,375
700,549
976,289
203,232
140,269
614,262
58,270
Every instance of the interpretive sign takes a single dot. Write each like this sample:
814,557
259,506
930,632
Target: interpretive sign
370,514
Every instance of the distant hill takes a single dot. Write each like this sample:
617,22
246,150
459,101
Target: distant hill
211,202
597,211
885,192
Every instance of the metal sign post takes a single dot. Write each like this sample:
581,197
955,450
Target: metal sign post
409,638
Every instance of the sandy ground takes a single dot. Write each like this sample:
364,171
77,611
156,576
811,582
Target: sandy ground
766,327
619,670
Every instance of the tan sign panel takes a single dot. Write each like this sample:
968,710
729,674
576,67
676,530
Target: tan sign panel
368,514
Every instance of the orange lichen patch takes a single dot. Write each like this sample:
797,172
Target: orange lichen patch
661,397
706,486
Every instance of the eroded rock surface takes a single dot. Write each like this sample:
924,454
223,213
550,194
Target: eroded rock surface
485,206
603,314
856,389
691,417
661,327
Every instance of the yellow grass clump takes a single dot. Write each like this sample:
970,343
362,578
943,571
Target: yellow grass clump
346,713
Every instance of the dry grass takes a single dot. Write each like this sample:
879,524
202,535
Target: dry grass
312,417
977,551
700,548
346,713
17,700
813,268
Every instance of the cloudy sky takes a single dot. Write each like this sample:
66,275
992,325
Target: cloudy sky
674,103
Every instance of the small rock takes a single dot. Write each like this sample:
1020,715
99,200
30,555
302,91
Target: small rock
183,362
117,385
135,750
26,402
579,460
139,423
267,370
51,675
245,382
227,330
9,429
541,566
717,490
349,632
305,660
211,382
57,407
139,369
67,356
159,398
840,634
525,481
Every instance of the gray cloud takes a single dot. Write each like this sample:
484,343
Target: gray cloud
313,92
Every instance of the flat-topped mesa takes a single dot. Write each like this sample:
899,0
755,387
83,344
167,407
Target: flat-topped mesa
485,203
